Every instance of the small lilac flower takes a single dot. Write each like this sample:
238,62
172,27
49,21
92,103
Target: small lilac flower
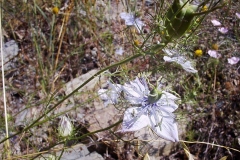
238,15
155,110
119,51
131,20
214,54
233,60
110,95
215,22
223,30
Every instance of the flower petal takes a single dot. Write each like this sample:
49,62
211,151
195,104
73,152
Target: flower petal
129,18
215,22
233,60
167,129
167,102
238,15
136,91
110,96
187,65
170,52
119,51
214,54
139,24
223,30
134,119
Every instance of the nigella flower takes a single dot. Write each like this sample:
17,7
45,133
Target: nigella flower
181,60
110,95
131,20
155,110
187,65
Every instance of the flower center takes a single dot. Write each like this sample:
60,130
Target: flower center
154,96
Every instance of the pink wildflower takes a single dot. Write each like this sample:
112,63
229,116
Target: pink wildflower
214,54
233,60
216,22
223,30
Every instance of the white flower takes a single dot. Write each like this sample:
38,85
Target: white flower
214,54
65,127
181,60
216,22
119,51
238,15
155,110
223,30
110,96
233,60
187,65
131,20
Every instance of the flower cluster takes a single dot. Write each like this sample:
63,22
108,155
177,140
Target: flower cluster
150,108
223,30
216,23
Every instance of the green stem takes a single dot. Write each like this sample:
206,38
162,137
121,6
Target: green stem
36,122
81,137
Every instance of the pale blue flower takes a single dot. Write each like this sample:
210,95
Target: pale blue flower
131,20
119,51
181,60
110,95
157,114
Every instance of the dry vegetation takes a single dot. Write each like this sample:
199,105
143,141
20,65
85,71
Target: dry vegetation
56,47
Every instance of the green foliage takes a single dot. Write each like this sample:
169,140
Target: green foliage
178,19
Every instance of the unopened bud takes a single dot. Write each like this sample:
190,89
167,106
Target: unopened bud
55,10
65,127
179,19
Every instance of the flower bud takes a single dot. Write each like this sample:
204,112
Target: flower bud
154,96
55,10
178,19
198,52
65,127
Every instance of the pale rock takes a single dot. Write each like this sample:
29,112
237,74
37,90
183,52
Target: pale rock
77,152
10,50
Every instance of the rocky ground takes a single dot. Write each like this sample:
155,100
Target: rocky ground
210,100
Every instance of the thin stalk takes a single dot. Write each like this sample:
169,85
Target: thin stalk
7,147
38,122
64,25
212,144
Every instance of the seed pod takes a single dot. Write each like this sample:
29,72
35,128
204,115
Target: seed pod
154,96
178,19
